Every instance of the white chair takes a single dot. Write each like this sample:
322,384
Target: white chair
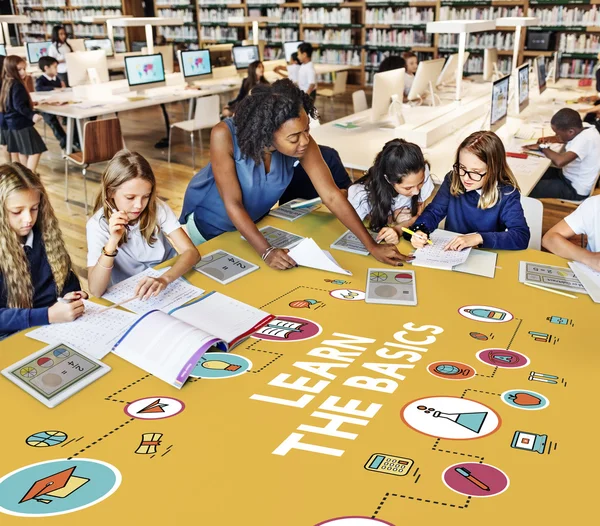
359,101
207,115
534,215
224,72
339,88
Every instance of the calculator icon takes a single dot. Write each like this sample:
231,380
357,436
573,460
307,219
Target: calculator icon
389,464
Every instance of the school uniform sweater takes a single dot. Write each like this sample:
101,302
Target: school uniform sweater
44,291
502,227
18,114
43,83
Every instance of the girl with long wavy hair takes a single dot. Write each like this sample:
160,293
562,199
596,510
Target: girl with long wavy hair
392,192
479,198
128,231
35,268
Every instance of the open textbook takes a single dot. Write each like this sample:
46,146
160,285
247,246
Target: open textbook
589,278
169,346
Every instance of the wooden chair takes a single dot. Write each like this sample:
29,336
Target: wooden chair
102,139
339,90
359,101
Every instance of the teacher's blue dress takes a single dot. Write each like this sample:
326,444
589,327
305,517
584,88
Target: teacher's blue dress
260,191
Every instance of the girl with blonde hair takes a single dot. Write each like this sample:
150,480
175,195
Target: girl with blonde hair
35,268
479,198
128,231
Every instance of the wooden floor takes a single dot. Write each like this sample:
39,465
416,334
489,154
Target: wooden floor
142,129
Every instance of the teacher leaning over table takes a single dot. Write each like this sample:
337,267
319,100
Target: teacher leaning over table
252,159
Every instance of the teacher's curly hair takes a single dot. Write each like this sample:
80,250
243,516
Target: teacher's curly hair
263,112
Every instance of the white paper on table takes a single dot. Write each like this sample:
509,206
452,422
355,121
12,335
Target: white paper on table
589,278
434,256
479,263
308,254
175,295
94,332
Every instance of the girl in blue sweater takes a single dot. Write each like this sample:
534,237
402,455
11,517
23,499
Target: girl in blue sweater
35,268
479,198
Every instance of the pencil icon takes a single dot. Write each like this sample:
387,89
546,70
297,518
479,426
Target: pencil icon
467,474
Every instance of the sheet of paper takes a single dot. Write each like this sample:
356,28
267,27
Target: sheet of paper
560,278
94,333
434,256
589,278
279,238
348,242
175,295
525,167
479,263
288,213
392,287
224,267
308,254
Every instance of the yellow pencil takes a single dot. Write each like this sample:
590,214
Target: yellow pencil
408,231
549,290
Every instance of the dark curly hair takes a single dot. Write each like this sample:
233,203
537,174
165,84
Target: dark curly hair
398,159
264,111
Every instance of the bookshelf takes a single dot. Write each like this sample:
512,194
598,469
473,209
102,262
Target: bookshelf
360,33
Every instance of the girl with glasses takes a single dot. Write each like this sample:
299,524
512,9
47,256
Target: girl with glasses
479,198
392,192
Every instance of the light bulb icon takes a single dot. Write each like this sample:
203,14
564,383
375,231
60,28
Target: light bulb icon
220,365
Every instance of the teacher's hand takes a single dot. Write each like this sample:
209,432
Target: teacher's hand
389,254
279,259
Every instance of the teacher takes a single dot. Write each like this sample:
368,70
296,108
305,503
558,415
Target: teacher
252,159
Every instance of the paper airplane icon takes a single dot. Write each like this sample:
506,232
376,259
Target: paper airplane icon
154,407
61,485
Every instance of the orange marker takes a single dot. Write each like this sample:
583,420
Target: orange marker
467,474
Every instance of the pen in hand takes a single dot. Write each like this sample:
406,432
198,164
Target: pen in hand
408,231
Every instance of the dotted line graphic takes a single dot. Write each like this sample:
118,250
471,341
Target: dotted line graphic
290,292
110,397
429,501
488,376
276,354
515,333
477,391
100,439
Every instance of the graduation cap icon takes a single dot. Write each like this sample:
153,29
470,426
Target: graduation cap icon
61,485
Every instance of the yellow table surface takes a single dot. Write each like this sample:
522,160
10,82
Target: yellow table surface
220,468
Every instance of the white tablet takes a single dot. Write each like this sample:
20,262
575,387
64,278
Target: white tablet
55,373
224,267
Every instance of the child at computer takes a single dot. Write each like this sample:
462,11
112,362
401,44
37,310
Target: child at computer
575,170
585,220
256,75
35,267
479,198
307,76
58,49
292,69
128,231
49,81
392,193
412,63
18,115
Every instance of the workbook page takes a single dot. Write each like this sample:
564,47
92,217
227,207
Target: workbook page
434,256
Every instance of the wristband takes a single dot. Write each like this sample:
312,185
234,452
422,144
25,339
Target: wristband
267,252
110,255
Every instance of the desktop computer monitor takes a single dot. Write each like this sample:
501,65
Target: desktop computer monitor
92,44
195,64
522,87
289,48
490,63
499,108
541,73
2,49
84,65
448,74
425,77
35,50
243,56
386,85
145,71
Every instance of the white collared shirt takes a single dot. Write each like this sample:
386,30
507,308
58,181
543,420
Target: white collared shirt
29,240
51,79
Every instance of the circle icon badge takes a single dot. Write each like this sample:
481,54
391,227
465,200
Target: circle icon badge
354,521
57,487
449,370
154,408
504,358
450,417
288,329
525,399
475,480
215,365
46,439
347,294
485,313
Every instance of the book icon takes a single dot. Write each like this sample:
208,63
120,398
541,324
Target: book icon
280,329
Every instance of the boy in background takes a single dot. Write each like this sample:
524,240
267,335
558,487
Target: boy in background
307,76
411,64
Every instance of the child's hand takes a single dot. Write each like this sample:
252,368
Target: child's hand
461,242
64,312
148,287
593,261
419,240
76,295
37,118
279,259
117,224
387,235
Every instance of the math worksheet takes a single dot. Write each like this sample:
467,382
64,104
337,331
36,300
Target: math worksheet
434,256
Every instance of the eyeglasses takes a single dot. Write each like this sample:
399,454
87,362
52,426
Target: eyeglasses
474,176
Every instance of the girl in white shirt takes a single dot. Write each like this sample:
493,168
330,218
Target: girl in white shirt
128,231
58,49
393,191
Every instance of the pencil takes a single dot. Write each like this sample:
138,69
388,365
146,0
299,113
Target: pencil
549,290
118,304
408,231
